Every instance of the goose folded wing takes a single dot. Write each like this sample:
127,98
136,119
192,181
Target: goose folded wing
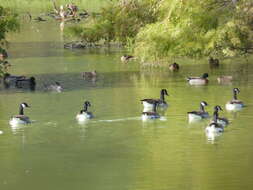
22,117
236,102
151,101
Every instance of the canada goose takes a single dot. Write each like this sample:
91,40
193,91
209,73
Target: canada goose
21,118
26,83
234,104
174,67
151,114
125,58
214,62
54,87
198,80
89,75
84,114
149,104
221,121
214,127
198,115
224,79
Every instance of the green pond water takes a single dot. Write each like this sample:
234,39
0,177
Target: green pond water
117,150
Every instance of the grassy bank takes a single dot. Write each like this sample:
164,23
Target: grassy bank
37,6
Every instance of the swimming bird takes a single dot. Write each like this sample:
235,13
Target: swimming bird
126,58
174,67
235,104
198,80
149,104
21,118
89,75
221,121
214,126
224,79
26,83
9,79
150,115
198,115
83,115
56,87
40,19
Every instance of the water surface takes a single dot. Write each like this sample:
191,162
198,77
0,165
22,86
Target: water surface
116,150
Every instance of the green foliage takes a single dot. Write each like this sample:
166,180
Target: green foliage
118,21
197,28
8,22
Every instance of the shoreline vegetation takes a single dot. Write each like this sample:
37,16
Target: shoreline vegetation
8,23
157,31
170,29
42,6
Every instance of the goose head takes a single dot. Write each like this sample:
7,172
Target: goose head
203,103
86,105
164,92
236,90
24,105
217,108
21,108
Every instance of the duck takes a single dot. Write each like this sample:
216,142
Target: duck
198,80
213,62
40,19
221,121
84,115
214,126
149,104
26,83
126,58
21,118
150,115
9,79
174,67
56,87
235,104
224,79
198,115
89,75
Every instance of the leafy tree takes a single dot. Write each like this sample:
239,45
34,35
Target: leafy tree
118,21
198,28
8,22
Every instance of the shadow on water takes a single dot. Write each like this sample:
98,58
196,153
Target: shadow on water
53,49
75,81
